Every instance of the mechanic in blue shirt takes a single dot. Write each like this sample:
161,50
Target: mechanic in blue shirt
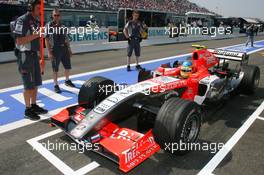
27,40
132,31
59,50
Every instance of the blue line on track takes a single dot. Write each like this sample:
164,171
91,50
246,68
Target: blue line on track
12,110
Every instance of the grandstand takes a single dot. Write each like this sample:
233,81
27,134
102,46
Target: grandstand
176,6
109,14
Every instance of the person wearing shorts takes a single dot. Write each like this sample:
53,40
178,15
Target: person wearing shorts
27,53
132,32
59,50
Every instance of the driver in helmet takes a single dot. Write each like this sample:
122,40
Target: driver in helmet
186,69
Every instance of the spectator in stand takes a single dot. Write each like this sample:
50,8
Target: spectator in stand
177,6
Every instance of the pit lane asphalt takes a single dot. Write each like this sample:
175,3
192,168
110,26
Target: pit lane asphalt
17,156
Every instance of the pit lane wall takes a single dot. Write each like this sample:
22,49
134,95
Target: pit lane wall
83,43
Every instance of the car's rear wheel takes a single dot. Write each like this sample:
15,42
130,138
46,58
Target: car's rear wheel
94,90
178,122
250,80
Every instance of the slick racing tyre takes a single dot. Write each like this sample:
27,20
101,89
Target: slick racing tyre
94,90
250,80
178,122
144,75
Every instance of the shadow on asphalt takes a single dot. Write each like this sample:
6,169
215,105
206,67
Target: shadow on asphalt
232,112
238,107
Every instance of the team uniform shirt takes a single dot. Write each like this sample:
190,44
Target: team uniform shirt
57,35
135,28
27,25
58,40
28,55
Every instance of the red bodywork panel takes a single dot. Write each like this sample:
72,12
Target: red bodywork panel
202,61
129,146
62,117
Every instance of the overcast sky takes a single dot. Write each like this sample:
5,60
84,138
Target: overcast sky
235,8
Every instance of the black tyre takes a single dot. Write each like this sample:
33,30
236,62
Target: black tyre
144,75
94,90
250,81
178,121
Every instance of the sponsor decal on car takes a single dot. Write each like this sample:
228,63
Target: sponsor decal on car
123,94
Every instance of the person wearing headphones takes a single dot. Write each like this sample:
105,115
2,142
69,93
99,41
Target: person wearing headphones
27,41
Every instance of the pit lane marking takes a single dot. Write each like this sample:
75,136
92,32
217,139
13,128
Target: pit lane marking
260,118
119,67
54,160
53,95
25,122
3,108
221,154
34,143
100,71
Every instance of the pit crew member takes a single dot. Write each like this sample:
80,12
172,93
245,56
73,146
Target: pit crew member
58,49
27,41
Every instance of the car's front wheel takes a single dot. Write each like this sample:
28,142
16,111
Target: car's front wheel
94,90
178,122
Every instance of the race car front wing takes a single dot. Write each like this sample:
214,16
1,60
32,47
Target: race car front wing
124,146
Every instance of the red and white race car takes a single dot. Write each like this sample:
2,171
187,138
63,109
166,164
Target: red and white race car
167,106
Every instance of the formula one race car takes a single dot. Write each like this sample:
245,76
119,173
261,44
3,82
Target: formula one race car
166,104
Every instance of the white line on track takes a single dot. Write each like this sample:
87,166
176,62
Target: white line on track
95,72
53,95
88,168
54,160
260,118
2,109
25,122
255,51
221,154
71,89
116,68
65,169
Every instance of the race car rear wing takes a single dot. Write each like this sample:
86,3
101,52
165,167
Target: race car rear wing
230,55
